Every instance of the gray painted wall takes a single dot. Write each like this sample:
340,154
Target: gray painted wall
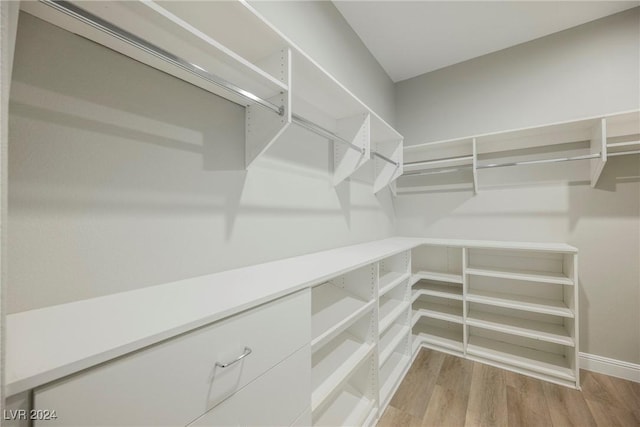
319,29
116,185
589,70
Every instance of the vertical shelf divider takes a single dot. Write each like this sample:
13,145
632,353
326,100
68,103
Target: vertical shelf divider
263,127
384,172
356,129
598,145
474,146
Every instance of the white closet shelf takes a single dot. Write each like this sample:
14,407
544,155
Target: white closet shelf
335,329
391,339
521,302
449,338
391,373
441,290
552,364
542,331
437,311
437,276
390,309
526,275
344,355
182,29
331,307
389,280
349,408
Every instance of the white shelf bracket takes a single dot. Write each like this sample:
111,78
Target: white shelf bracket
475,166
598,145
384,172
262,126
356,129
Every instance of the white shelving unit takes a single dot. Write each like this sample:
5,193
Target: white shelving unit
515,308
229,49
462,161
344,335
394,327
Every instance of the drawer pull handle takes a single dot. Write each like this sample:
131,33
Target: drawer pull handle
247,351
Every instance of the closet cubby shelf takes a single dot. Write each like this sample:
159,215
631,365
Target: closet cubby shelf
446,338
391,372
551,364
390,310
530,276
335,366
349,408
528,328
389,280
437,276
437,311
435,289
390,340
334,310
521,302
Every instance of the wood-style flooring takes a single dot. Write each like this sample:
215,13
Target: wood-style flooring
444,390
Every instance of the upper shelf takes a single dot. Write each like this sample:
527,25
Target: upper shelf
223,45
592,138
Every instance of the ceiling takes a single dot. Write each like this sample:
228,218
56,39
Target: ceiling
409,38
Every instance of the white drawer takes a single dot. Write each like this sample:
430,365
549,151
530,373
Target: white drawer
174,382
277,398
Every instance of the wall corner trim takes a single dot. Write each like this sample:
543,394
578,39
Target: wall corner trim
605,365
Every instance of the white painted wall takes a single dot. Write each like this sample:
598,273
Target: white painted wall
589,70
319,29
122,177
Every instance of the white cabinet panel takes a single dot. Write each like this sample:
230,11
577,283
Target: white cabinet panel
176,381
276,398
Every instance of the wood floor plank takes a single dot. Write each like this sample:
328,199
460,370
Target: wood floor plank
444,390
567,407
611,416
445,408
487,397
413,394
526,404
448,403
393,417
610,391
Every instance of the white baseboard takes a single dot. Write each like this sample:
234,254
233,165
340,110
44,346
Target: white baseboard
612,367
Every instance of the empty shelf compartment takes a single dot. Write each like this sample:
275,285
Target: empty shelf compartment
390,279
349,408
438,263
521,302
542,327
438,276
534,356
330,306
389,311
391,339
438,308
438,333
391,372
437,289
531,266
334,362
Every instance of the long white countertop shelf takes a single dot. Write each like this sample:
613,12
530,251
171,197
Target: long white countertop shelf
47,344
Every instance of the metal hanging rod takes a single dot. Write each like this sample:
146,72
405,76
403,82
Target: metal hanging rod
436,161
437,171
127,37
623,153
525,162
533,162
385,158
317,129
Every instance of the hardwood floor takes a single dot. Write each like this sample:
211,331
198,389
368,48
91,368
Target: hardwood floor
444,390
